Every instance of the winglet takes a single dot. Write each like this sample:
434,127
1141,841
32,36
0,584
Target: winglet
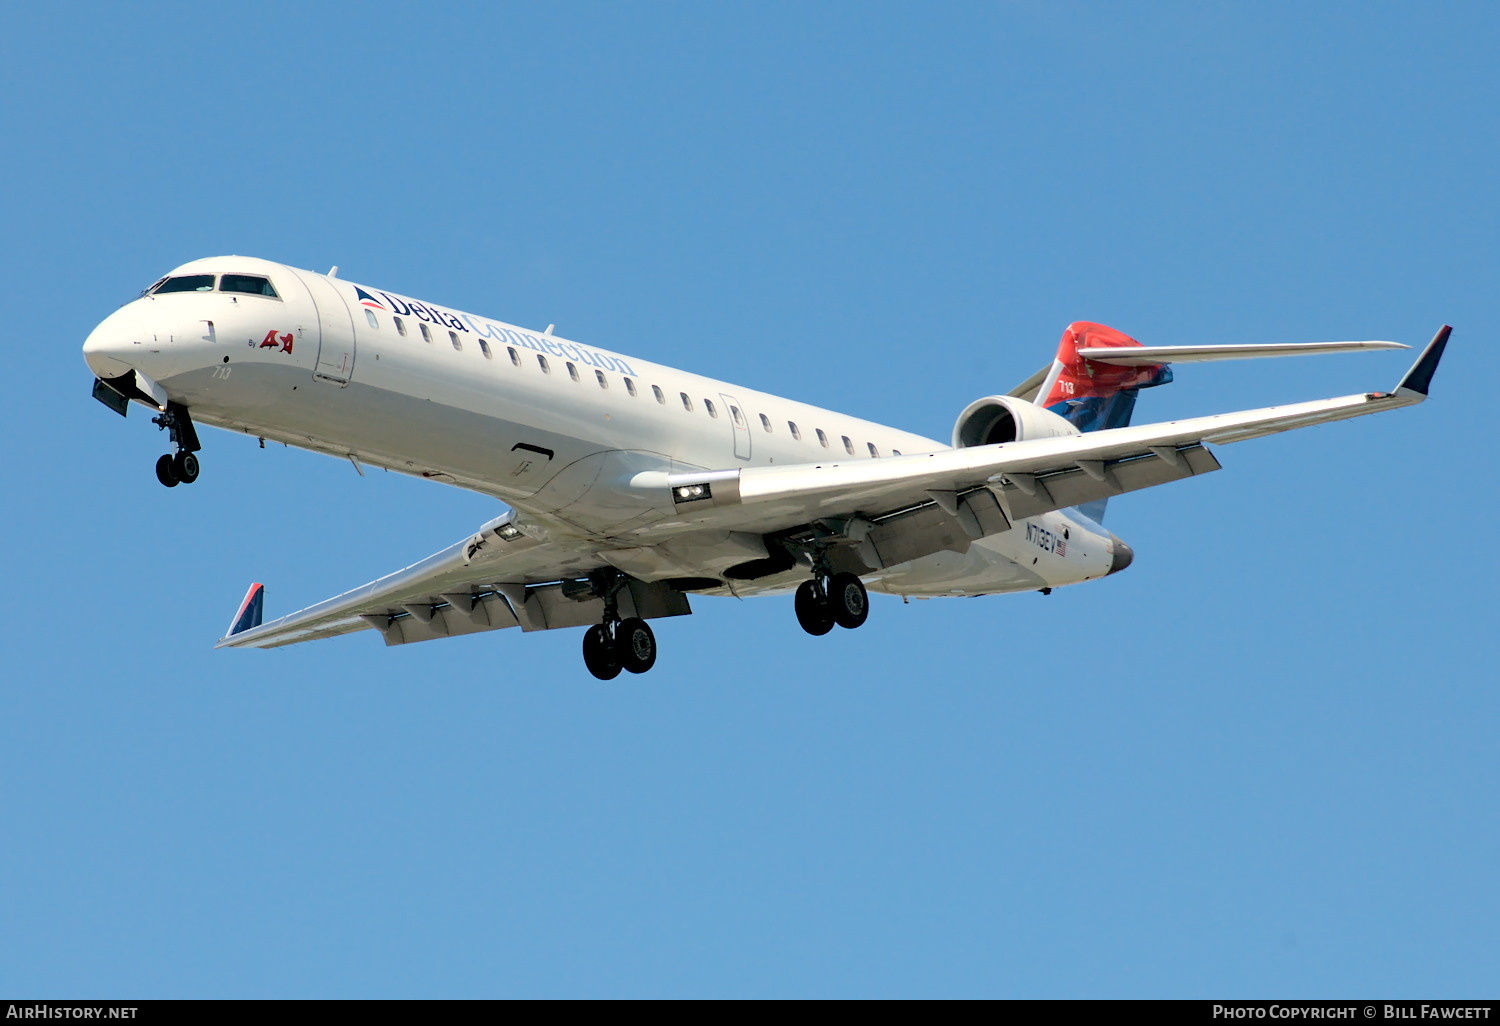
1419,379
249,615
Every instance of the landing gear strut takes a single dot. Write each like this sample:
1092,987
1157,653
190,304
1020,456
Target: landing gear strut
616,644
181,467
830,598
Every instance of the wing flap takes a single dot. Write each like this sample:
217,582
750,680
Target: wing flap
1074,486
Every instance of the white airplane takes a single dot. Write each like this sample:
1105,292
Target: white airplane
632,485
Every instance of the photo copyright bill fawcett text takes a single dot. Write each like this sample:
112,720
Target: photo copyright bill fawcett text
1412,1010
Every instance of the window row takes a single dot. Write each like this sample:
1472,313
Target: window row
453,339
709,406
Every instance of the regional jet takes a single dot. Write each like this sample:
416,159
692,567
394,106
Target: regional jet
632,487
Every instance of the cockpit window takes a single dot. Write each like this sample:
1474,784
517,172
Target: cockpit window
249,284
186,283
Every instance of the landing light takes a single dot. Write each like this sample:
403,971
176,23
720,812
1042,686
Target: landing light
508,532
691,493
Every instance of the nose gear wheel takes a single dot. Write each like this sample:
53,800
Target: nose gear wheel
173,469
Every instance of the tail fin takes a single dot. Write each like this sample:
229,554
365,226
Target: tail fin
1091,395
250,611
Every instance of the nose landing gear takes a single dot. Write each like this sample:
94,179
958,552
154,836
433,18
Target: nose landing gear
181,467
616,644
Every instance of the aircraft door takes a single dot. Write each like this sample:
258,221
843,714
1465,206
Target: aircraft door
740,421
335,331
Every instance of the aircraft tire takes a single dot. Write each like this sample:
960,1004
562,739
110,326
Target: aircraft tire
848,601
813,611
165,472
636,643
185,466
599,655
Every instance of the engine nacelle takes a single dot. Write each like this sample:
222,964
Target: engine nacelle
1004,418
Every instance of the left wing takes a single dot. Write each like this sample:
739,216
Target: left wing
497,578
985,488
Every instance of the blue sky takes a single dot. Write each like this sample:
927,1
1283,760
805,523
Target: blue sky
1259,763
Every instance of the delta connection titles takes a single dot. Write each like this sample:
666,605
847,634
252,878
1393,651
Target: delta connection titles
1351,1012
508,336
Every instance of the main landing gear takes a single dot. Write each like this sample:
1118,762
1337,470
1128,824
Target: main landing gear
181,467
173,470
830,599
616,644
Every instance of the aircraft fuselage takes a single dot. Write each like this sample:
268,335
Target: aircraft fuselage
552,427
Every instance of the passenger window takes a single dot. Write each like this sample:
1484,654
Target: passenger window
734,411
603,381
895,452
484,347
848,445
426,335
247,284
572,372
186,283
630,386
792,426
765,423
708,404
541,361
370,316
822,438
515,357
687,404
873,451
660,395
400,326
453,337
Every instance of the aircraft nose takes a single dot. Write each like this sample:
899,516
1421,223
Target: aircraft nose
108,349
1120,554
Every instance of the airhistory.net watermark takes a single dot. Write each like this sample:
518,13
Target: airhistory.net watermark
38,1010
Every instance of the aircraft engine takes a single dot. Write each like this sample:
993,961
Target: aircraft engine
1004,418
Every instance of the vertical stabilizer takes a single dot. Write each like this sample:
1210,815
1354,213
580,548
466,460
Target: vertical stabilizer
1091,395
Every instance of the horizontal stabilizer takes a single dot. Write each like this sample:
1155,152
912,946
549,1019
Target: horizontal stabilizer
1140,356
250,612
1028,390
